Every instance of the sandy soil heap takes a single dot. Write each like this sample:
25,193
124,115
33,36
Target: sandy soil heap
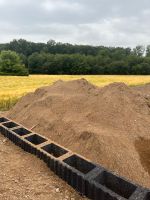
109,125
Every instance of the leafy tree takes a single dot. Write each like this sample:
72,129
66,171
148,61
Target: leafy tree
148,51
119,67
36,63
139,50
10,63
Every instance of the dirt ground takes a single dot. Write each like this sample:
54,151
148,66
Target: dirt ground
24,177
108,125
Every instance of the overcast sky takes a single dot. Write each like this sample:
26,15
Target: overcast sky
95,22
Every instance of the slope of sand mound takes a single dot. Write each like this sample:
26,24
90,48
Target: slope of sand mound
143,89
108,125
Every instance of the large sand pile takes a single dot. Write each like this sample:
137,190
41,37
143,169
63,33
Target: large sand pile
109,125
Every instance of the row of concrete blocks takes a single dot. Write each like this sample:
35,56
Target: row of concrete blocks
86,177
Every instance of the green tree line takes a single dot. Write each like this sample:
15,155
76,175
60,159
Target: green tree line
63,58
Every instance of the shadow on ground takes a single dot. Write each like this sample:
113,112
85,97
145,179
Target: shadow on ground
143,147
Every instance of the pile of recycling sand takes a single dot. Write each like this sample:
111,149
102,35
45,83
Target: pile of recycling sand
109,125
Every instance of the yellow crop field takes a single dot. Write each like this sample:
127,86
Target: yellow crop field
14,87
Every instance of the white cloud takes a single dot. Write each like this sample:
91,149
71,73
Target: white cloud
2,2
96,22
51,5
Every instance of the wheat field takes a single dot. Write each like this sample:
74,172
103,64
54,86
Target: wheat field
13,87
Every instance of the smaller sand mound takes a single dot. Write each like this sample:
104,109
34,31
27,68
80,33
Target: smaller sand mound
102,124
143,89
